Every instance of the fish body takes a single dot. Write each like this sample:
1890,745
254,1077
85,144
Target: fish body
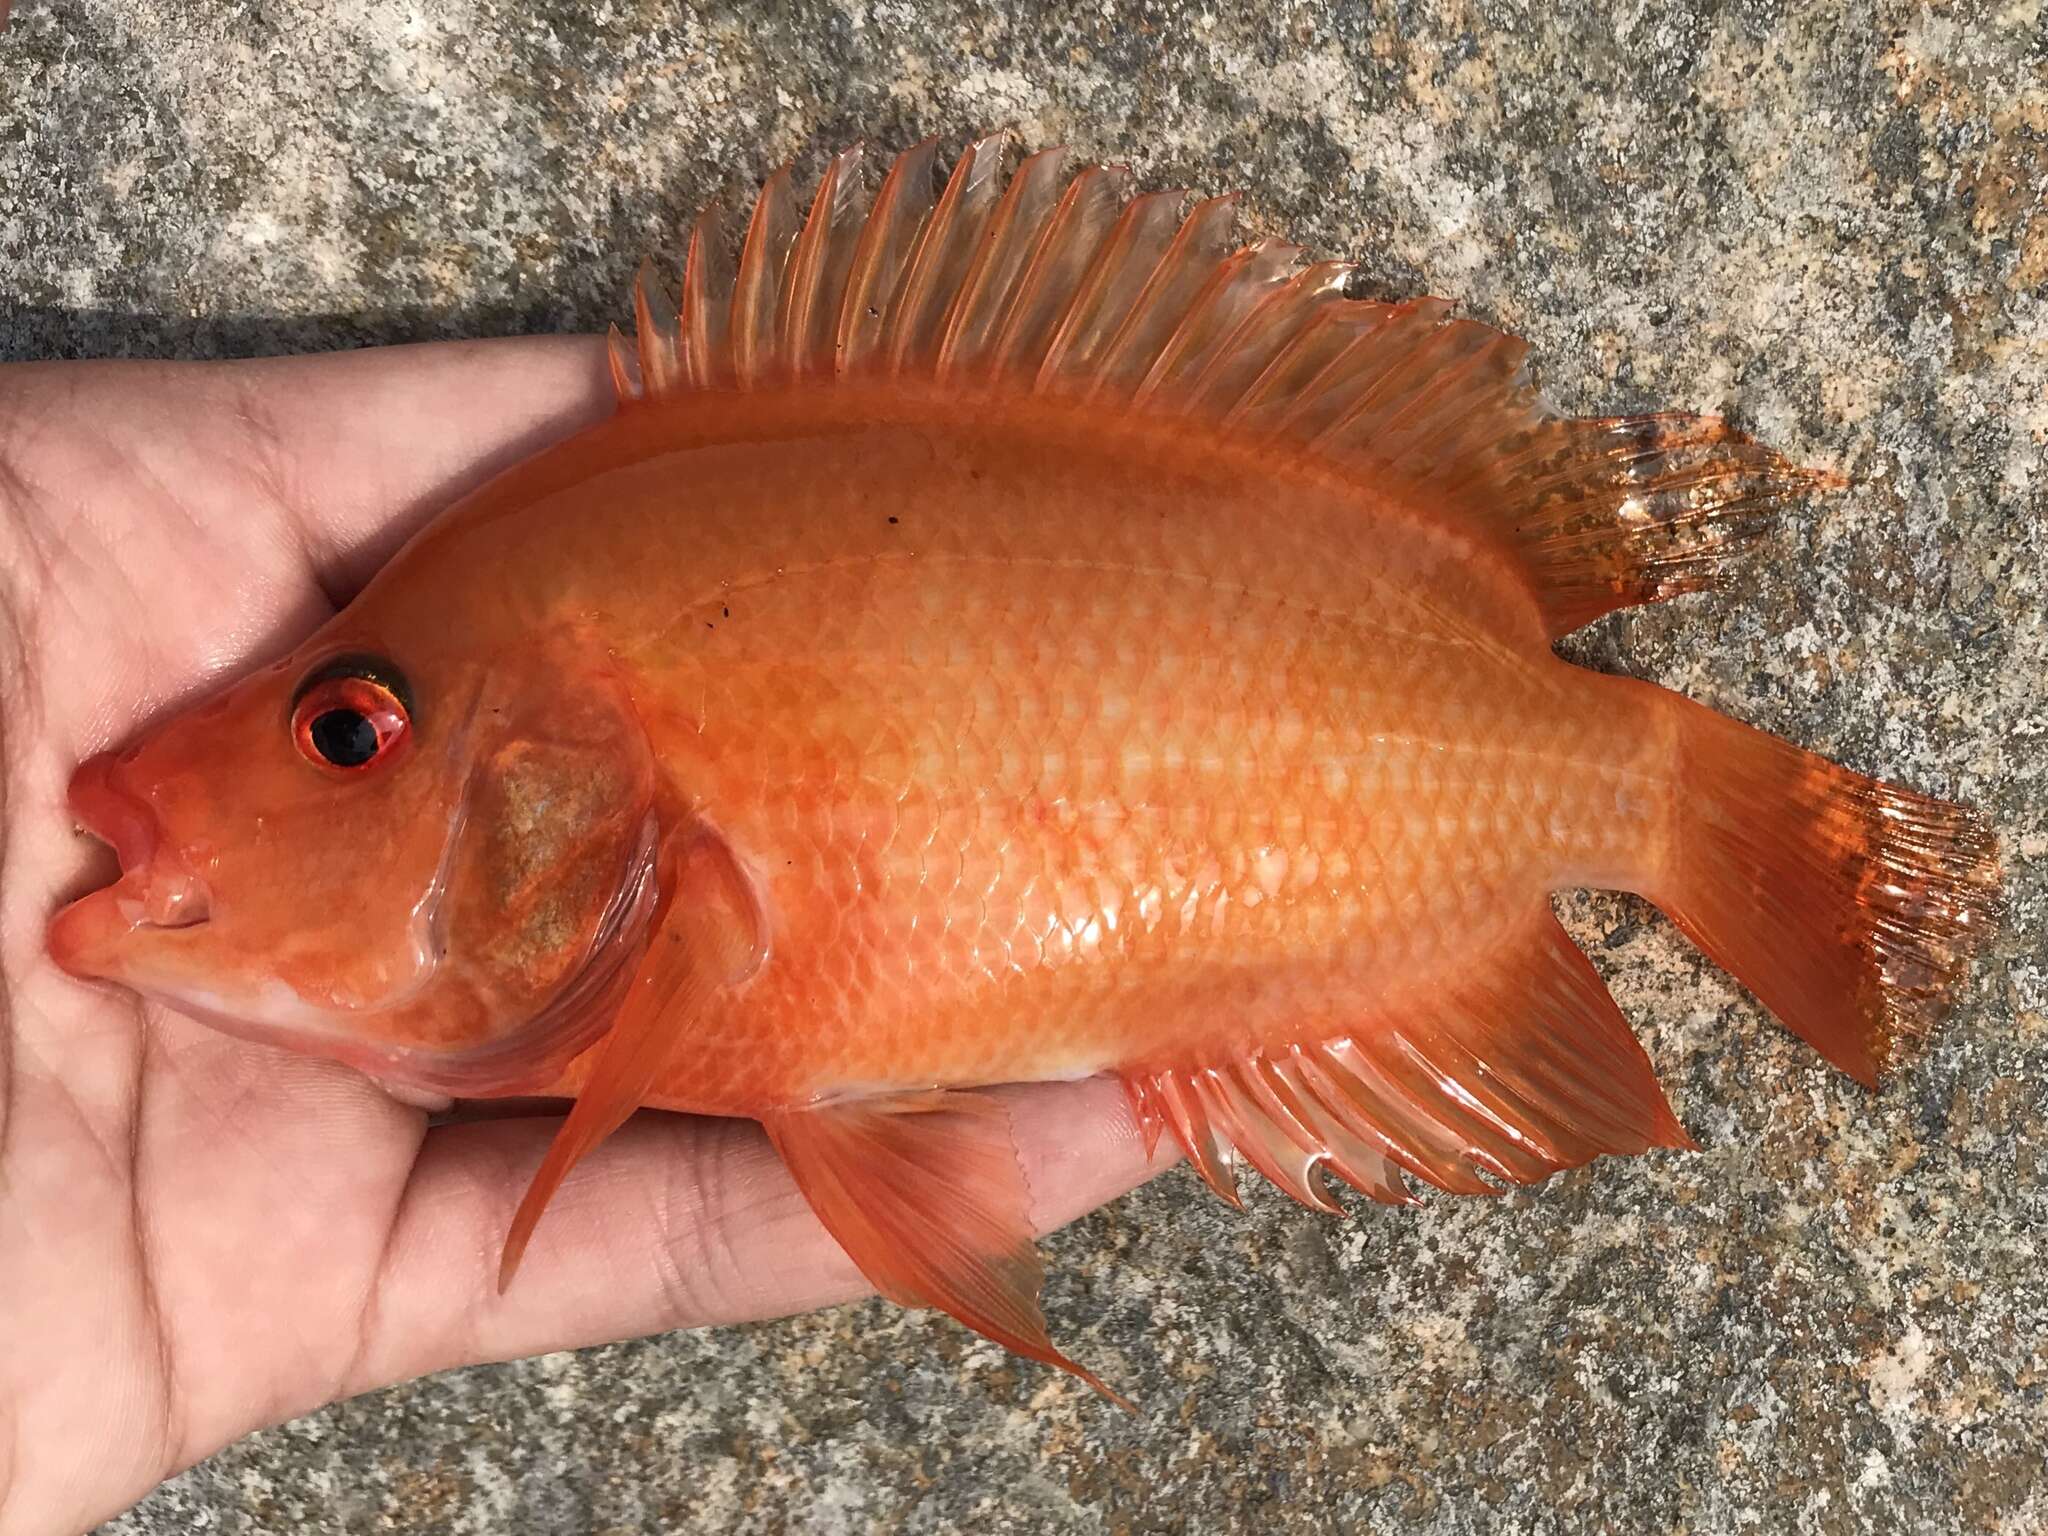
1006,635
1052,745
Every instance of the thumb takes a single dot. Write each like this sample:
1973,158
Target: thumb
675,1222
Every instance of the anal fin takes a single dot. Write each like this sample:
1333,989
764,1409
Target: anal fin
1519,1067
925,1193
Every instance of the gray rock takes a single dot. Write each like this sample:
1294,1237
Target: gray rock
1832,225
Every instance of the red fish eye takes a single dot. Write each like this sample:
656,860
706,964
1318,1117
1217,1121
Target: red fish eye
348,722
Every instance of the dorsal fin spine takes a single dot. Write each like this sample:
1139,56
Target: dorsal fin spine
1080,224
1305,357
901,208
1169,296
1327,396
624,362
1442,365
1405,328
707,298
758,287
1135,245
1244,351
949,240
814,283
1240,285
654,319
1012,237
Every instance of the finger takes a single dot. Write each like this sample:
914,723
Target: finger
676,1222
363,447
184,518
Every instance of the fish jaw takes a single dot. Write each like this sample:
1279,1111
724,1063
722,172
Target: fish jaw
96,935
143,929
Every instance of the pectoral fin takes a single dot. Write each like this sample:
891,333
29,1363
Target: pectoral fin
925,1193
711,933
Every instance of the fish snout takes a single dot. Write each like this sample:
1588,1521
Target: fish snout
157,889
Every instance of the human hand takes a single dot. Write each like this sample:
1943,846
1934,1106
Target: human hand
201,1236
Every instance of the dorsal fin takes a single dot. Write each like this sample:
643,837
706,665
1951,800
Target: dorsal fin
1068,283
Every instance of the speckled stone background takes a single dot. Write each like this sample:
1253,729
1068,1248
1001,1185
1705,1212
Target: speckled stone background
1828,220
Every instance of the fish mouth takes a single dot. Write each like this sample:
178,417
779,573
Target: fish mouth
155,891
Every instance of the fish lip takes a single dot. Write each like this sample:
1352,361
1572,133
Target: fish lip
113,815
154,892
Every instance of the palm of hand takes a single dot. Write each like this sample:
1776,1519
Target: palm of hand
200,1236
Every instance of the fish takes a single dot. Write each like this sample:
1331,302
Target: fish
1012,629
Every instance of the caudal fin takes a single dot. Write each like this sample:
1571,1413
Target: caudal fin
1850,907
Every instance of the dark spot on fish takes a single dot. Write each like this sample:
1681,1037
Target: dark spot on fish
725,613
892,519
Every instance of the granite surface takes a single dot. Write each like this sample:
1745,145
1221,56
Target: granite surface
1828,220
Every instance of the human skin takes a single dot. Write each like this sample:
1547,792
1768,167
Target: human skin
200,1236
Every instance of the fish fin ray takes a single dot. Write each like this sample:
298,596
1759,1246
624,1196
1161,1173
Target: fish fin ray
1282,350
1219,316
756,325
657,325
1058,271
1516,1070
945,250
1106,295
624,361
988,288
1620,511
814,282
1209,1151
1191,263
887,242
706,317
926,1194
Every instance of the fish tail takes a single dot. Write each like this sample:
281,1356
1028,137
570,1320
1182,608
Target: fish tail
1850,907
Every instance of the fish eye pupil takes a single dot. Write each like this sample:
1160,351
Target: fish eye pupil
353,712
345,737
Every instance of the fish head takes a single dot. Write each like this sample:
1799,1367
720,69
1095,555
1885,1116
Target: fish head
439,872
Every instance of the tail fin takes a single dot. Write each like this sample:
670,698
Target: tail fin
1849,907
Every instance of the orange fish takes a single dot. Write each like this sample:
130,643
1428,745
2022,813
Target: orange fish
1008,634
